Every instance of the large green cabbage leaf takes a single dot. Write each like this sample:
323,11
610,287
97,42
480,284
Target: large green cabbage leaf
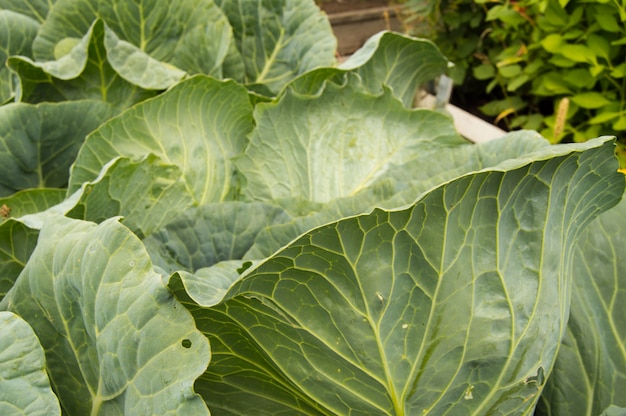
196,126
203,236
115,339
455,304
321,147
24,385
401,62
590,371
279,39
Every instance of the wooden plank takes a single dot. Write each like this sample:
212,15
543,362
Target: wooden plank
468,125
353,28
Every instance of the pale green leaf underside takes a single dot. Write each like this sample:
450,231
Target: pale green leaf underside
24,385
431,308
198,126
590,371
335,144
17,33
191,35
38,143
116,341
614,411
279,40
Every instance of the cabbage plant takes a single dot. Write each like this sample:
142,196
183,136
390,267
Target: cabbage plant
215,217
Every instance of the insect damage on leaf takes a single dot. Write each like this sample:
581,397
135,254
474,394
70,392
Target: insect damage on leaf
5,211
539,379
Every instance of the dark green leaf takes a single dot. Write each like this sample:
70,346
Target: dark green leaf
590,371
203,236
38,143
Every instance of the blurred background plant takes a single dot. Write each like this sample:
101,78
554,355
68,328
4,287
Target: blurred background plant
556,66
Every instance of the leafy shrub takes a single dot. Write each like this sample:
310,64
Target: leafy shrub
305,245
555,66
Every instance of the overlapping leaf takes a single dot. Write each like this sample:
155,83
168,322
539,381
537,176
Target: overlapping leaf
279,39
24,385
116,341
83,72
38,143
192,36
454,304
403,184
335,144
197,126
590,372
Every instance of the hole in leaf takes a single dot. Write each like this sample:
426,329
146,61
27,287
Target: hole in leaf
186,343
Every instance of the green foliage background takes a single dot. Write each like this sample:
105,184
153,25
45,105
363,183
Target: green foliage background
532,60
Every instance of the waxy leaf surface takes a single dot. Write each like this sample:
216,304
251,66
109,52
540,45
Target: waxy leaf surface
203,236
115,339
401,63
402,185
147,193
